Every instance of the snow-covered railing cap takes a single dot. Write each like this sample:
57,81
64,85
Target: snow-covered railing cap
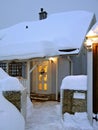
74,82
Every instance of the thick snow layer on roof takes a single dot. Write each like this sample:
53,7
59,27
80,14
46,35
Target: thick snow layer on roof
92,35
93,31
10,117
74,82
65,30
8,83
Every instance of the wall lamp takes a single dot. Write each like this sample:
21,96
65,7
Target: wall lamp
88,44
89,41
53,59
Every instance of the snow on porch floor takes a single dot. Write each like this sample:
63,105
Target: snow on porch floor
46,116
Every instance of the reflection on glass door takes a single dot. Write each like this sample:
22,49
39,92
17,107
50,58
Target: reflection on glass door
42,73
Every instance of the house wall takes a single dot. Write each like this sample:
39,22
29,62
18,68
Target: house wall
64,69
80,63
80,60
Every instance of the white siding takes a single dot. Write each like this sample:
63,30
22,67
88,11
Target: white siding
89,86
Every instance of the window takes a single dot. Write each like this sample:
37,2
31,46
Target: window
17,69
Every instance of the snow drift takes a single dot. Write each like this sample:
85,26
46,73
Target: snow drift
10,117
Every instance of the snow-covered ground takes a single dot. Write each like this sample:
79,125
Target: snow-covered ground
46,116
40,115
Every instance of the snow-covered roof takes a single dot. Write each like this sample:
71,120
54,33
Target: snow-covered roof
92,35
94,31
63,31
74,82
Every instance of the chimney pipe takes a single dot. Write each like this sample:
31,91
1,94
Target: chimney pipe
42,14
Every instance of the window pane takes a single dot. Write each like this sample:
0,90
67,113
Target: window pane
45,86
3,66
40,77
40,86
45,77
45,68
17,69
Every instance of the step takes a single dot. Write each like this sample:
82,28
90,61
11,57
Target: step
40,98
36,96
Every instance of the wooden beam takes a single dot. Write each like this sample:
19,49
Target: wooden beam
57,79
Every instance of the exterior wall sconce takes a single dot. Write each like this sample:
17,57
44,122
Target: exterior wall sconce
88,44
53,59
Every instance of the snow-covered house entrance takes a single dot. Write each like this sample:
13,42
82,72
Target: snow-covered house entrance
26,50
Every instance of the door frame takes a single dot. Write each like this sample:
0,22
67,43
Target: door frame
95,77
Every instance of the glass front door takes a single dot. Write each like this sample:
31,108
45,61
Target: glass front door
43,79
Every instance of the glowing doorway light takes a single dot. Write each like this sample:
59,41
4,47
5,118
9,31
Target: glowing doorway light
52,59
88,44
